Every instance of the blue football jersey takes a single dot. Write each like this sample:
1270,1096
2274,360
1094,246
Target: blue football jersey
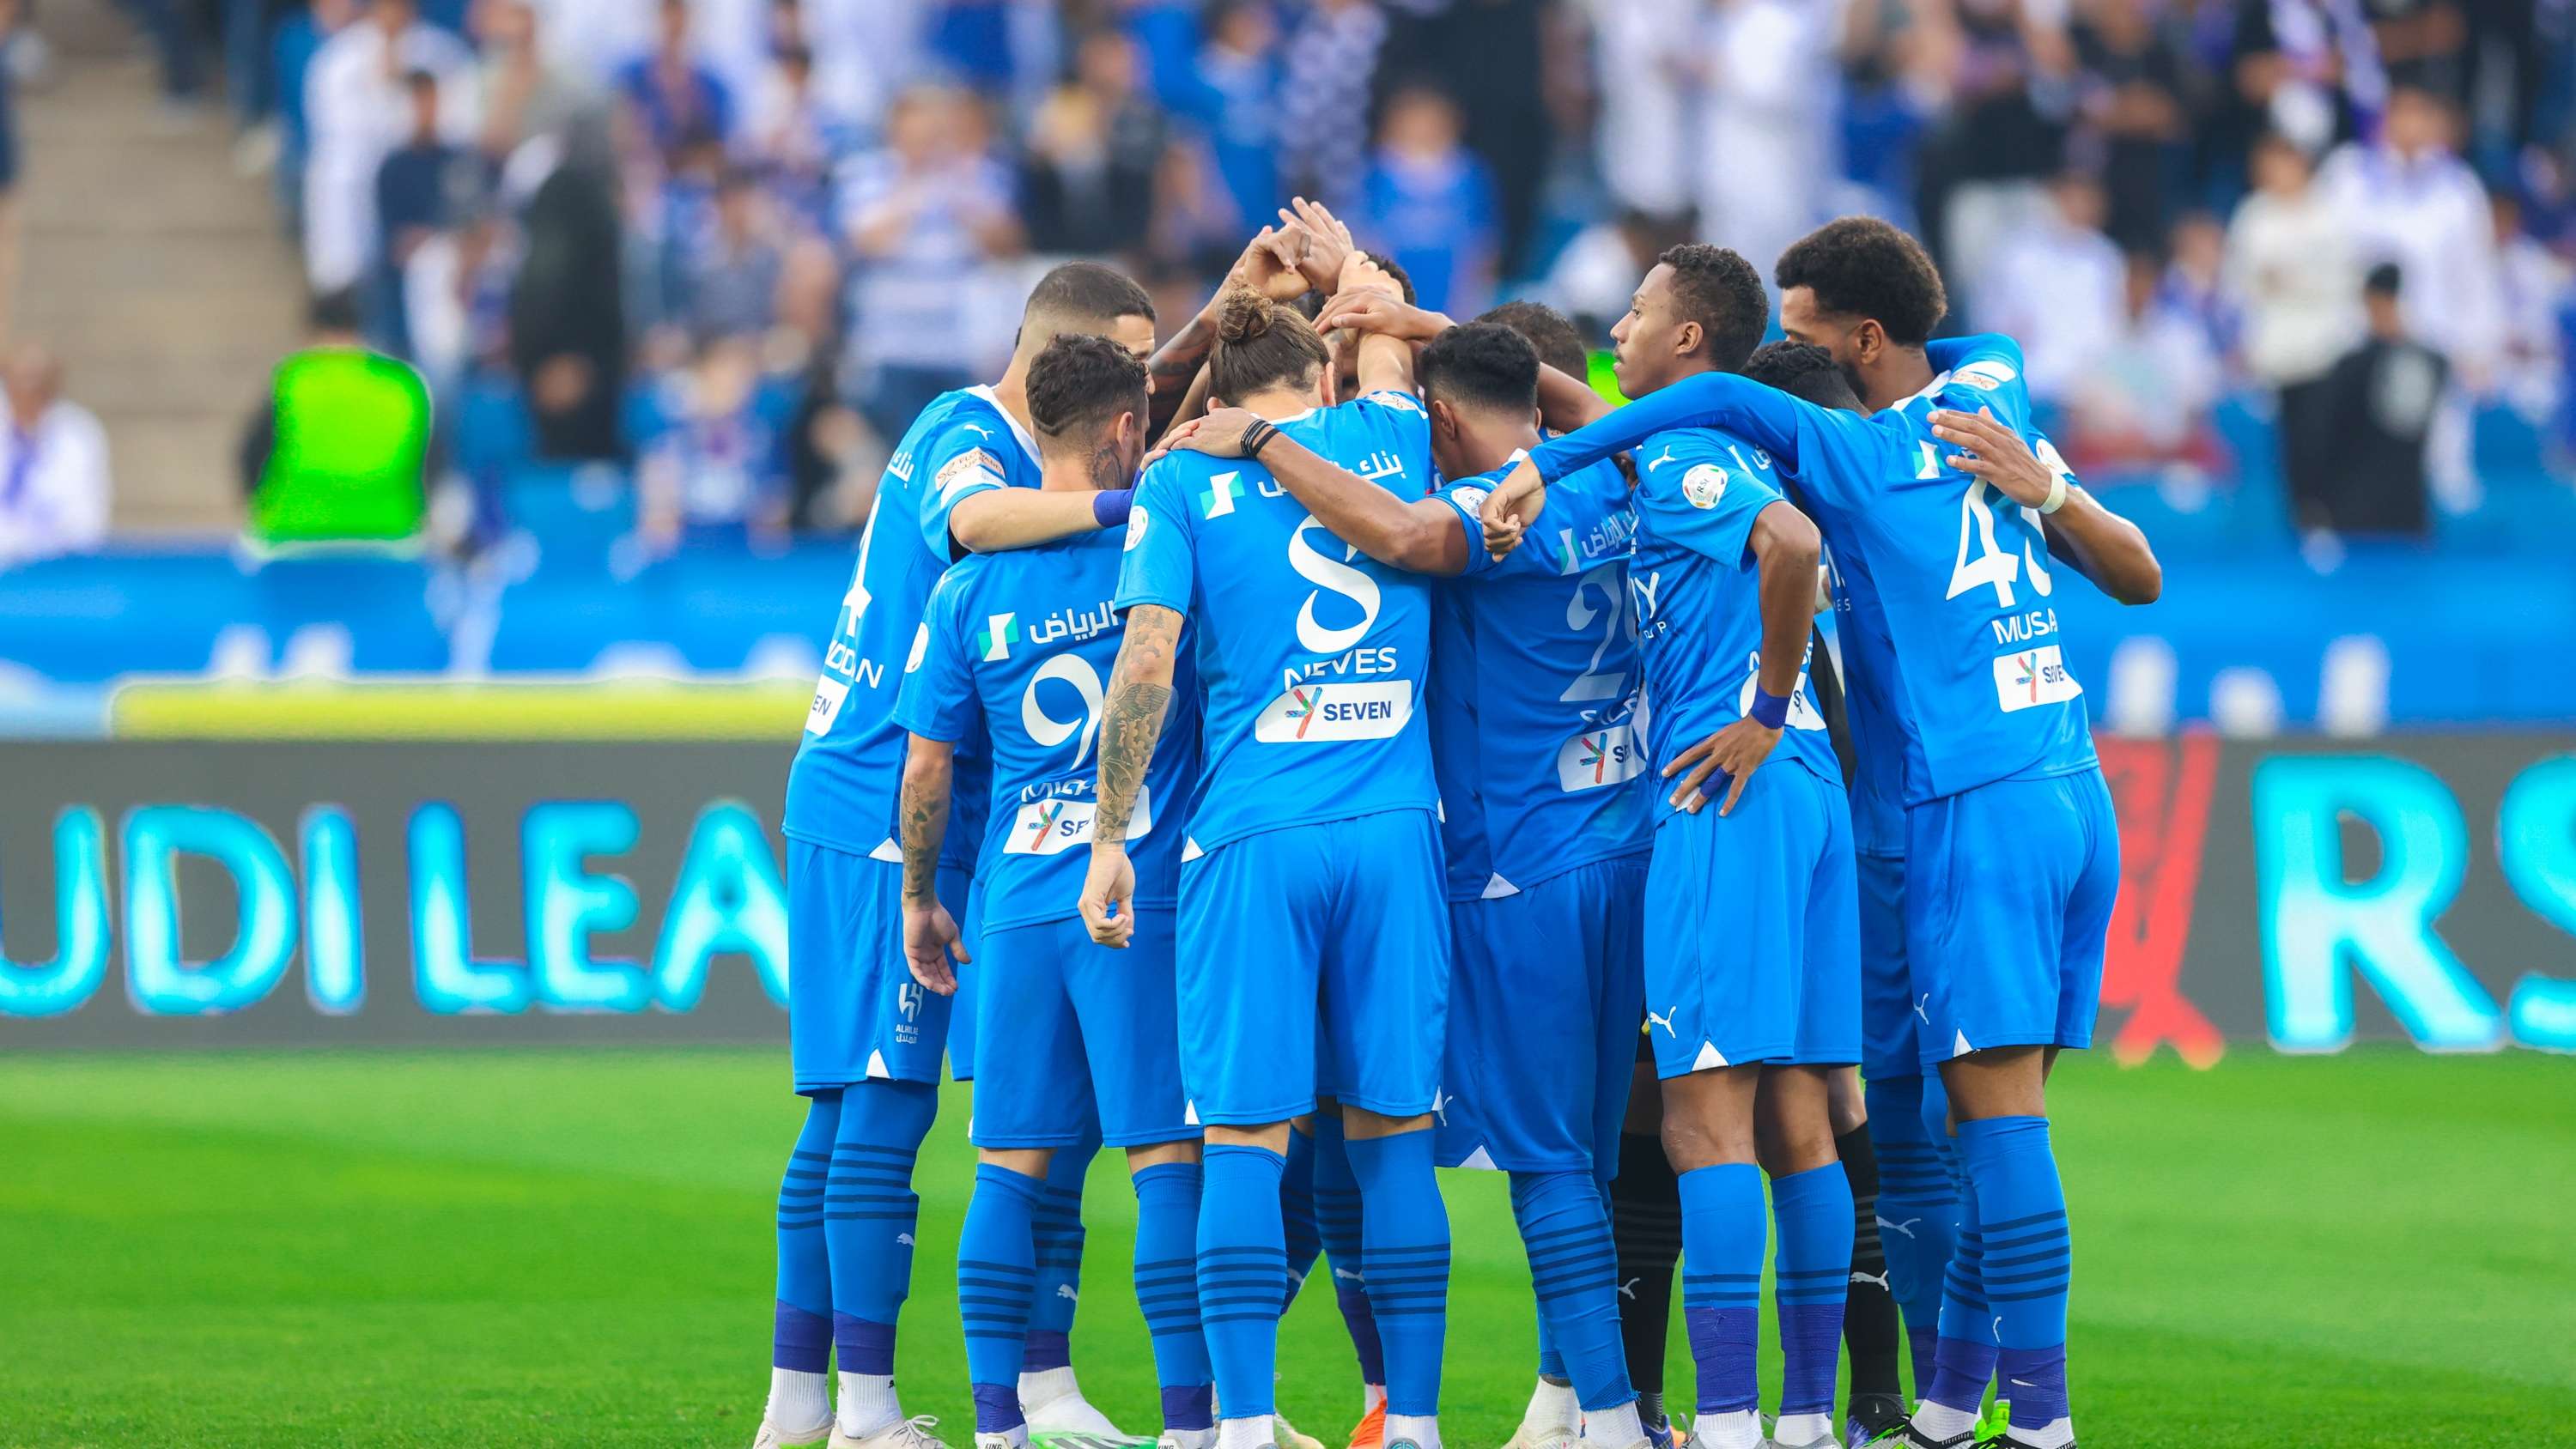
1698,598
1947,580
1311,655
1017,648
842,788
1534,723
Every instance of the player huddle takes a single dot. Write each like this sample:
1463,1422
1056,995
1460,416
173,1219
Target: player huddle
1417,754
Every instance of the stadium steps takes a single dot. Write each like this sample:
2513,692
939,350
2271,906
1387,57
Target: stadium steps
152,266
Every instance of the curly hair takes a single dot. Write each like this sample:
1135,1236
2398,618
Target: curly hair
1718,289
1081,382
1863,268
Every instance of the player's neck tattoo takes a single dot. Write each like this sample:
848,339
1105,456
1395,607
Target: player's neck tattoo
1107,469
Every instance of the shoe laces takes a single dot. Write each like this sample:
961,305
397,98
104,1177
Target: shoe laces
914,1433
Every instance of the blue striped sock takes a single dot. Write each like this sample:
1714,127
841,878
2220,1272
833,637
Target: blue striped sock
1917,1211
1243,1273
1813,1213
1404,1253
1337,1221
996,1271
1964,1360
870,1213
1565,1226
1059,1230
802,1342
1167,1290
1297,1210
2021,1218
1723,1236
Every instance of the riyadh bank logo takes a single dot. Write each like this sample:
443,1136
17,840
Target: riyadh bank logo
1218,498
999,633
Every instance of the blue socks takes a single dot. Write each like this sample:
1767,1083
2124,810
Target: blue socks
1242,1273
870,1213
803,1341
1167,1290
1813,1211
1964,1360
1337,1220
1918,1210
1404,1254
2021,1223
996,1274
1722,1243
1565,1226
1059,1247
1297,1210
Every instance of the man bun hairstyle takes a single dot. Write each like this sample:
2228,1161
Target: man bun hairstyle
1086,292
1483,365
1559,342
1804,371
1718,289
1862,268
1079,384
1261,344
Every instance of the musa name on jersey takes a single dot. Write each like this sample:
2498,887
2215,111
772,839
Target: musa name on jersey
1697,590
1311,655
1949,629
1535,735
1017,649
841,790
1878,744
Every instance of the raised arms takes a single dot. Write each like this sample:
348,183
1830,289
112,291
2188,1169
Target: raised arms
2103,546
1140,696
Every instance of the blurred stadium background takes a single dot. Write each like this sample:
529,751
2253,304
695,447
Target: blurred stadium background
486,753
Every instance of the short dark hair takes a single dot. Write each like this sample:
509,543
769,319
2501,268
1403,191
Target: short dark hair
1559,342
1087,292
1803,370
333,311
2385,280
1862,267
1718,289
1481,364
1261,344
1081,381
1311,304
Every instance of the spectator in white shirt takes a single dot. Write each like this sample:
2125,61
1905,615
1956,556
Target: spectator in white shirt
2144,399
2057,286
355,108
2412,201
53,464
2292,266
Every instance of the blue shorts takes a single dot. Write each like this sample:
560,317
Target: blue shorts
2007,906
853,1010
1752,930
1080,1035
1544,987
1315,958
961,894
1888,1046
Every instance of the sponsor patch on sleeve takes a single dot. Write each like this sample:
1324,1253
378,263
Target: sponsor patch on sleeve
1985,374
973,468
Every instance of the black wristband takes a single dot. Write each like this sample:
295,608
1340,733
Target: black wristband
1257,437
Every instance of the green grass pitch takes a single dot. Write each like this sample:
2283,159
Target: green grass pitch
526,1248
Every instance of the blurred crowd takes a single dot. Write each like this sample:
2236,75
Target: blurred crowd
728,247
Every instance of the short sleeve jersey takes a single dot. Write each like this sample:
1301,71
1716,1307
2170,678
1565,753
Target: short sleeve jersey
1017,649
1535,735
1311,656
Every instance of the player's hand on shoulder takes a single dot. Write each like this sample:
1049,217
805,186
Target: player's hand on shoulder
1109,896
1989,450
1730,755
929,939
1372,306
1509,510
1219,433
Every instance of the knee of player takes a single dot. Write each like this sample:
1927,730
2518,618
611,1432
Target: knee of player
1184,1152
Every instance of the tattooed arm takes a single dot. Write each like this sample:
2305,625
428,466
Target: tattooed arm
929,933
1140,694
